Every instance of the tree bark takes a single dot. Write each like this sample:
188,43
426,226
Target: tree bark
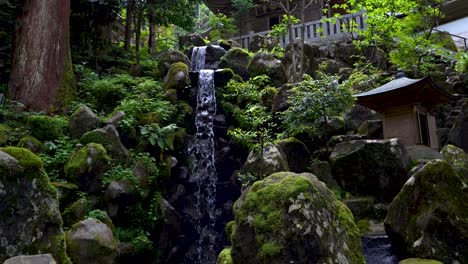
42,75
138,23
152,39
128,24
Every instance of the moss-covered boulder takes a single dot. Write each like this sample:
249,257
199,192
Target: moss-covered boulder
238,60
266,64
78,210
82,121
109,138
4,134
86,167
178,77
213,56
296,152
374,168
311,53
92,242
225,257
281,98
429,217
266,42
46,128
293,218
273,160
167,58
31,143
30,221
188,40
322,170
458,159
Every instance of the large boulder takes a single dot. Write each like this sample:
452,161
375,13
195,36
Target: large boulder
92,242
167,58
280,100
296,152
293,218
82,121
188,40
34,259
429,217
214,53
266,42
273,160
119,196
458,134
237,60
267,64
109,138
30,221
370,167
177,77
86,167
358,114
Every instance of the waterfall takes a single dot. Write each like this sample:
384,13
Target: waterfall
203,166
198,59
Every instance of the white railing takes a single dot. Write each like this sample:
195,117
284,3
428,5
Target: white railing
324,30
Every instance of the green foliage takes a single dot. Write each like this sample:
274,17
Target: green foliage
99,215
138,238
47,128
55,156
163,137
314,101
462,63
222,27
282,28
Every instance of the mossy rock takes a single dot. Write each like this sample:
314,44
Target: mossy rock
177,77
293,217
46,128
237,59
419,261
77,211
273,160
4,134
86,167
110,139
167,58
458,159
266,64
429,217
31,143
225,257
25,190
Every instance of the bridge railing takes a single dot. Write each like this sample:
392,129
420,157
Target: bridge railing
324,30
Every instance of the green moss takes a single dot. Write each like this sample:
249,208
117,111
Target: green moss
419,261
79,162
229,228
46,128
77,211
31,143
171,81
270,250
26,159
225,257
67,86
363,225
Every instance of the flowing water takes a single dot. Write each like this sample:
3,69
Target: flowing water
203,167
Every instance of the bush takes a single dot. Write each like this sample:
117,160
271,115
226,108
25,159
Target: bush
47,128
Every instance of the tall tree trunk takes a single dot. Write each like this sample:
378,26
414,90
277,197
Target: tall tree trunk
138,23
128,24
42,75
152,39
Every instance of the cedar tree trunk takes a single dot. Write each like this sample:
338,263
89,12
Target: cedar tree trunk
42,75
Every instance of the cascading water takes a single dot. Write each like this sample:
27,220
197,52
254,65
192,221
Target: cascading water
203,167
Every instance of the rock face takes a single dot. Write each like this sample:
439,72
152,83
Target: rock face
82,121
191,40
297,154
265,63
237,60
35,259
30,221
429,217
293,218
263,42
273,161
109,138
458,134
311,52
92,242
178,77
370,167
167,58
213,56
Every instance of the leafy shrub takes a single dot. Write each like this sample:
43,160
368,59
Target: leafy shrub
56,155
462,64
137,237
46,128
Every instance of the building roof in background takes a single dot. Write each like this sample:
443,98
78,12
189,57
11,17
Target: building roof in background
404,91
